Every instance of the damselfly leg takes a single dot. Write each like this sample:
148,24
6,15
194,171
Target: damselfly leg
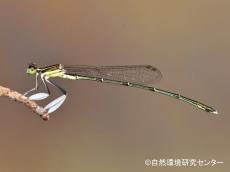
41,95
35,88
53,105
56,103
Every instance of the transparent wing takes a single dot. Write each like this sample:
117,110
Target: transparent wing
139,74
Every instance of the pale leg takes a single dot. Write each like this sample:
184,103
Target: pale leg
56,103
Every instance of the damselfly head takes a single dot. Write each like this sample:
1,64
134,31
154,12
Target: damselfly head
32,69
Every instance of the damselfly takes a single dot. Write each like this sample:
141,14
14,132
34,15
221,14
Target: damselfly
138,76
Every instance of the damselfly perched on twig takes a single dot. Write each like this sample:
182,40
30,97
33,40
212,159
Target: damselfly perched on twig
138,76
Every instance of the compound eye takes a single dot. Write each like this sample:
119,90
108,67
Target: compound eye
31,70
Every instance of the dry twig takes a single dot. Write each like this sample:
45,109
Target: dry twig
14,95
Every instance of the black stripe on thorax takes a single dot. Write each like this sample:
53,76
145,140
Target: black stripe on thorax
51,67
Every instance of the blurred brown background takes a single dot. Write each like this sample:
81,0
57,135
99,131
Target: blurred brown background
103,127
